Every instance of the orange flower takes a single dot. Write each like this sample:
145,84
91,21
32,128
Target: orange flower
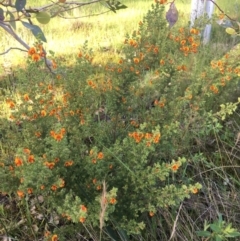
54,237
100,155
113,200
82,219
94,180
94,161
18,161
156,138
162,62
151,213
36,57
58,137
181,30
20,193
194,31
29,190
119,70
190,39
194,190
183,42
175,167
56,160
54,187
221,16
10,103
155,50
26,97
148,135
31,158
214,89
32,51
68,163
27,151
136,60
43,113
42,187
83,208
50,165
132,42
62,183
38,134
148,144
47,234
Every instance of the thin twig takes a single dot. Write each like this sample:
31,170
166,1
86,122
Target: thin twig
97,14
222,11
12,48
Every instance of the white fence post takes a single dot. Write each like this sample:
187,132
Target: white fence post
198,8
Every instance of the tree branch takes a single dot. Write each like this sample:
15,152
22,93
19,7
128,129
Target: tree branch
222,11
12,48
8,29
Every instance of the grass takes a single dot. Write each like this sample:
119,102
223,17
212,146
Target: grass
105,33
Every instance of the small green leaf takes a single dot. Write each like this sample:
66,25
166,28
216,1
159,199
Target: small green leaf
215,227
12,19
43,17
203,233
232,235
36,30
1,14
20,5
231,31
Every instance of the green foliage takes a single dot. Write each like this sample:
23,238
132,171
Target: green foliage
107,146
218,230
42,14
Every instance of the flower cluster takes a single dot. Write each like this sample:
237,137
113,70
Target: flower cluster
58,135
188,41
95,156
149,137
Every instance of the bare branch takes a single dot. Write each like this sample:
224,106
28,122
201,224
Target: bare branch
222,11
8,29
12,48
96,14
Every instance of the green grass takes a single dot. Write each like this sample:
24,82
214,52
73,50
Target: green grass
106,31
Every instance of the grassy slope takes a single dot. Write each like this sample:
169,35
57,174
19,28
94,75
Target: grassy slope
65,36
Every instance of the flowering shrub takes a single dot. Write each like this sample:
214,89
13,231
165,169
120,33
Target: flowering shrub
128,124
